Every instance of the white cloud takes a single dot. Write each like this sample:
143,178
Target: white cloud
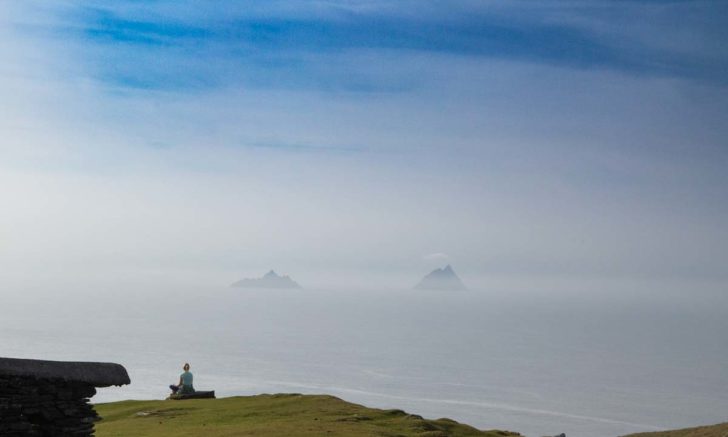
436,257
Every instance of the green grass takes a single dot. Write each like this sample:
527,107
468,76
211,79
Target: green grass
270,415
720,430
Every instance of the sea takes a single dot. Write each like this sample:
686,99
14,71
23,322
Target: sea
541,363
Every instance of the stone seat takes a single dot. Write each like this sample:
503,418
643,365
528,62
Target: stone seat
195,395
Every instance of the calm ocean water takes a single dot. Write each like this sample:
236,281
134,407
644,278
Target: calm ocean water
541,364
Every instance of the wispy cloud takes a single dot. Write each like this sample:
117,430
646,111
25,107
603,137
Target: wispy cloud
299,147
438,256
189,45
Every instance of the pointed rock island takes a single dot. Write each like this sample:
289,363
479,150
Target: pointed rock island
269,280
441,279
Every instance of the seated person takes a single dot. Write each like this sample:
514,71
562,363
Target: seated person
185,382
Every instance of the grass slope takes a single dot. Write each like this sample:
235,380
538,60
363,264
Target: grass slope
270,415
720,430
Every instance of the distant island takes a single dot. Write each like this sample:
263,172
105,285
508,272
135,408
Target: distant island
269,280
441,279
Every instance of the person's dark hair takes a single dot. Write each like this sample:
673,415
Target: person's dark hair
186,366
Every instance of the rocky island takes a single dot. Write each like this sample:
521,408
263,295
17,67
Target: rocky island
269,280
441,279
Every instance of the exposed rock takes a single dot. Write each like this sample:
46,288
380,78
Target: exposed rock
269,280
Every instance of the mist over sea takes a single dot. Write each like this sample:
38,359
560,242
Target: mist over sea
587,364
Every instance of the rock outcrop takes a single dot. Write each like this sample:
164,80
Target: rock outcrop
51,398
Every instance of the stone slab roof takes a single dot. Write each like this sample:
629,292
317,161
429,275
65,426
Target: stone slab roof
96,374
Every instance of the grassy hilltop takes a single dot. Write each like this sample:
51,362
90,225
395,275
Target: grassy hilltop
720,430
270,415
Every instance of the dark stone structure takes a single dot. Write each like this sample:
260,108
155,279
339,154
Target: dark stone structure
196,395
51,398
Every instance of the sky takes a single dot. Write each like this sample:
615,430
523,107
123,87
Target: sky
364,142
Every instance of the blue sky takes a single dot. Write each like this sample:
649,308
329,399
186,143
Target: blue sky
521,139
188,45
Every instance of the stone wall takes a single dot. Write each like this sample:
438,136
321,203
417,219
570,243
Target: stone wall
45,407
51,398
